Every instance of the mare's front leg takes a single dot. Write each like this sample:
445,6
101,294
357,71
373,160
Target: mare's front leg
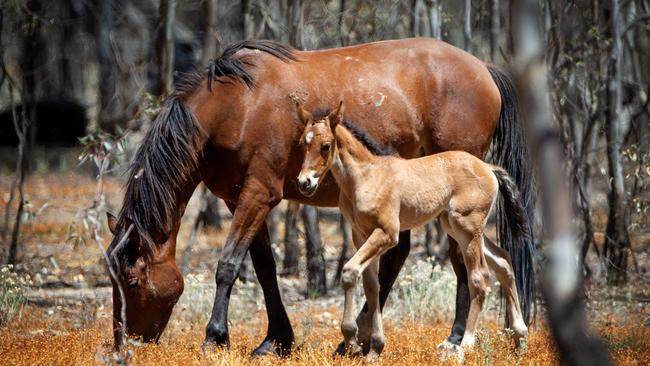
279,335
252,207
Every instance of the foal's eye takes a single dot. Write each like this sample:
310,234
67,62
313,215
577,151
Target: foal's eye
325,148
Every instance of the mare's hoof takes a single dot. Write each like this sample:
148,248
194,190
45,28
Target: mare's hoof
267,348
210,347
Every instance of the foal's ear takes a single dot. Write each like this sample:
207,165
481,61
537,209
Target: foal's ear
112,222
336,116
303,115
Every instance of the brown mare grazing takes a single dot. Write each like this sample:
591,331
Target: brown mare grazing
234,127
382,194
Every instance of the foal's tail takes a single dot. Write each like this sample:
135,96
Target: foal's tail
509,150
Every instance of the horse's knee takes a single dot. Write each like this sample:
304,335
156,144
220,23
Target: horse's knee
349,329
226,273
478,281
349,277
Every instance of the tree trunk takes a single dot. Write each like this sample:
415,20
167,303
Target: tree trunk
435,18
617,241
342,37
495,29
272,224
165,45
249,24
316,277
291,249
343,257
295,37
561,281
211,40
106,77
467,28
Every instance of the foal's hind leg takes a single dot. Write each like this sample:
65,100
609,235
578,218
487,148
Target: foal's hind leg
468,230
499,261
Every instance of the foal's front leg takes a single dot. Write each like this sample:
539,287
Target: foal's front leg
371,289
377,243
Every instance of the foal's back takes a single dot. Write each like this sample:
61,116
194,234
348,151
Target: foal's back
453,181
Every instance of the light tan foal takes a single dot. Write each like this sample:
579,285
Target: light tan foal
381,195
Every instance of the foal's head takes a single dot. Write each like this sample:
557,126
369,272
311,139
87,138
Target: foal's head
319,143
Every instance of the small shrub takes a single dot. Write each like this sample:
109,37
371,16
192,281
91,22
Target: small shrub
422,292
12,293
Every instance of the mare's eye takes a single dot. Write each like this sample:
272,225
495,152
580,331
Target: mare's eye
133,283
325,148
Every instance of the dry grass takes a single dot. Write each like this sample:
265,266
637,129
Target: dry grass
39,340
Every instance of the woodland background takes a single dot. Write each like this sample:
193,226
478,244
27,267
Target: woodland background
80,81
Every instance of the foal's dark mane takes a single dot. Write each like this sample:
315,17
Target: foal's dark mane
360,134
168,158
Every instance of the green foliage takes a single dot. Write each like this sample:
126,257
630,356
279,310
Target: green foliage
12,293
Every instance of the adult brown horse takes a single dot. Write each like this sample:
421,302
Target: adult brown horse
234,128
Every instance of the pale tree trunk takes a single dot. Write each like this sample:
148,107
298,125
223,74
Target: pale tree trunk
291,248
106,77
249,25
211,40
295,36
617,241
435,18
316,278
342,37
561,278
467,27
415,18
495,29
165,45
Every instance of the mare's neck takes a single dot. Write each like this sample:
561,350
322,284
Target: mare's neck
352,161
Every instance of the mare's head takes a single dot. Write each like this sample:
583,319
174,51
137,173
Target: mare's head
149,279
319,143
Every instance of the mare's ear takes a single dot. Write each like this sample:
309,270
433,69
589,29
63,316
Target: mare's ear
336,116
303,115
112,222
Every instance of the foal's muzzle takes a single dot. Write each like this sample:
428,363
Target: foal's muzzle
307,184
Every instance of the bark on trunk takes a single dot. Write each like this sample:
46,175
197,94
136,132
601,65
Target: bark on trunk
211,40
617,241
295,37
467,27
165,45
106,75
316,278
435,18
291,249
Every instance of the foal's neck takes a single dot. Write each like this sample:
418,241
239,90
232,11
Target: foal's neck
351,159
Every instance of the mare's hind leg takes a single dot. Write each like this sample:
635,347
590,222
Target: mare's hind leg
371,289
468,231
499,261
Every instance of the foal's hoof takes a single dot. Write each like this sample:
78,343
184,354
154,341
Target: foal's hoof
448,350
353,350
372,356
